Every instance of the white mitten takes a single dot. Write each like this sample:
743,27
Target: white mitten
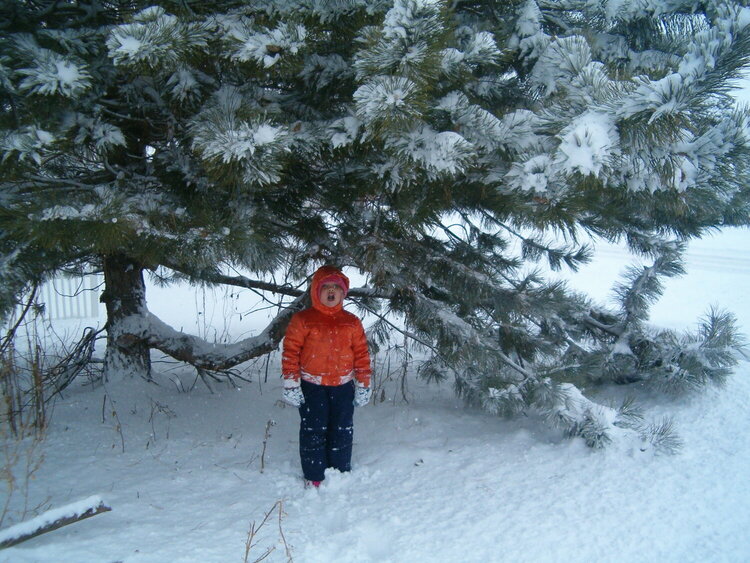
293,396
362,396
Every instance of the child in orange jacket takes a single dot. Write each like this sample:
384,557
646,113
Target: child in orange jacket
325,364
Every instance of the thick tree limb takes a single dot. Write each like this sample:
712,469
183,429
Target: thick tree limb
200,353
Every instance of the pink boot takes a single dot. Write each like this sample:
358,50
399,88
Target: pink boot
309,484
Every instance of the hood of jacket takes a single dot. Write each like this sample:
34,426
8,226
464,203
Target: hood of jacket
319,275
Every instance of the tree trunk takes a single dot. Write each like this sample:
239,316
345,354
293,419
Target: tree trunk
125,298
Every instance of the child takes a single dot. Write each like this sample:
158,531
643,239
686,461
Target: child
326,369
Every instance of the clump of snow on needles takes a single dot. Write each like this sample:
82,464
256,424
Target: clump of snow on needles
588,143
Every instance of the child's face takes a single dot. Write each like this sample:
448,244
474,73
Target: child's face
331,294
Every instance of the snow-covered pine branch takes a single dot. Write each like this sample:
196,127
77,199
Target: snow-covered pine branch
224,137
155,39
48,72
642,286
265,46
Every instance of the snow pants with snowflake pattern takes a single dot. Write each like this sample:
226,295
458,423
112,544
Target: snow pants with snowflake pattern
326,428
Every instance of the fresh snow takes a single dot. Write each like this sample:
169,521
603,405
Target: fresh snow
128,45
437,152
401,20
587,143
67,74
432,479
52,74
382,95
533,175
743,18
285,38
344,131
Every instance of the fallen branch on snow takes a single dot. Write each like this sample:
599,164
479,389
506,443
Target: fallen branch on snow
52,520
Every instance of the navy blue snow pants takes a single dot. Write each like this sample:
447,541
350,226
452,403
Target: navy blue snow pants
325,432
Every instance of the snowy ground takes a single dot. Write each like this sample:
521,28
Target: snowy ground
433,481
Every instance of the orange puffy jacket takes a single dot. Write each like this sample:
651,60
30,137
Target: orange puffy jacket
325,345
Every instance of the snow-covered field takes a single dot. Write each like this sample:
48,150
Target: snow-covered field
187,476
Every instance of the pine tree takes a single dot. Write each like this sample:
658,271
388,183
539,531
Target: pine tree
438,147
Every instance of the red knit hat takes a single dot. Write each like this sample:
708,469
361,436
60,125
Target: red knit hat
338,280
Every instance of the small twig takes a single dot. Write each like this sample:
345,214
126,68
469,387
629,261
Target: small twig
75,362
281,533
118,427
268,361
157,407
20,462
8,339
251,535
266,435
254,530
405,369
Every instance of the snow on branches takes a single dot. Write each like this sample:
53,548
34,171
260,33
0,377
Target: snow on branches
265,46
221,134
442,149
155,39
27,143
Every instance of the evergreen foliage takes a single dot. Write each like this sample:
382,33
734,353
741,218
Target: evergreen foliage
441,148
